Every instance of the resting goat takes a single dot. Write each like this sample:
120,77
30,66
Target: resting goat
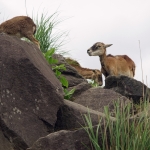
87,73
20,26
112,65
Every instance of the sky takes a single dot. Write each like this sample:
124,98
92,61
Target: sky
123,23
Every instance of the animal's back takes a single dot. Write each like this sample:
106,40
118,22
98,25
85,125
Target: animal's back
130,63
116,65
123,65
18,25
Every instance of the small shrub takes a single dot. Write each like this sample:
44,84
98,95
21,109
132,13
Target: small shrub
68,94
50,43
58,69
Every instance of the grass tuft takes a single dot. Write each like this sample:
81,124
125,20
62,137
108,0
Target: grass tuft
47,33
126,133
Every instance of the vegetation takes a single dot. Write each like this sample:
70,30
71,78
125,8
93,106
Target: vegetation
58,69
50,43
93,83
126,133
47,34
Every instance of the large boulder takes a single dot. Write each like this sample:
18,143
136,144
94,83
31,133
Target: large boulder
32,108
70,127
66,140
128,87
79,89
30,94
72,116
97,98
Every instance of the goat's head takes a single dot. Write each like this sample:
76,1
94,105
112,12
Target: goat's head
98,49
98,77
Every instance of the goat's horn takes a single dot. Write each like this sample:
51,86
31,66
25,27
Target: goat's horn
108,45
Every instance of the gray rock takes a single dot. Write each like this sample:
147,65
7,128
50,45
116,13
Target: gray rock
71,116
72,135
30,94
64,140
128,87
97,98
79,89
4,142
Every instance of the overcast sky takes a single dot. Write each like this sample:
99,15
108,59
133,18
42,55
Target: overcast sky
122,23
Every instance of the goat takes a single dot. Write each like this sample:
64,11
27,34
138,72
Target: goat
20,26
87,73
112,65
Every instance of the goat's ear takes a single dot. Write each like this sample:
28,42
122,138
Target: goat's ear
107,45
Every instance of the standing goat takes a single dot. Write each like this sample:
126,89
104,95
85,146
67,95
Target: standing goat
20,26
87,73
112,65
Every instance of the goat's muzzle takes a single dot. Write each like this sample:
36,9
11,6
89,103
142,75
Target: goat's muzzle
88,51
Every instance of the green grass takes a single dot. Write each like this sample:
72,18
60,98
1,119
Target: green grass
51,41
124,133
48,33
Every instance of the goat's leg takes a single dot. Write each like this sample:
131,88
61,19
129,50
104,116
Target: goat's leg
104,72
33,39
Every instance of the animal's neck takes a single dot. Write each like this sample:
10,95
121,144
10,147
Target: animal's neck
102,59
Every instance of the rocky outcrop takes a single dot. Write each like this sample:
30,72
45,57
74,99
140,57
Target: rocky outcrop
129,87
65,140
33,112
97,98
71,116
30,94
69,133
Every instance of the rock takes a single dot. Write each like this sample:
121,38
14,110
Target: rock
69,132
128,87
79,89
71,116
64,140
32,108
30,94
4,142
97,98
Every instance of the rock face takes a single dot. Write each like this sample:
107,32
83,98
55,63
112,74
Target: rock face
97,98
71,116
128,87
64,140
30,94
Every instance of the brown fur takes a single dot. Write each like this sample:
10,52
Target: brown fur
130,63
87,73
112,65
20,26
